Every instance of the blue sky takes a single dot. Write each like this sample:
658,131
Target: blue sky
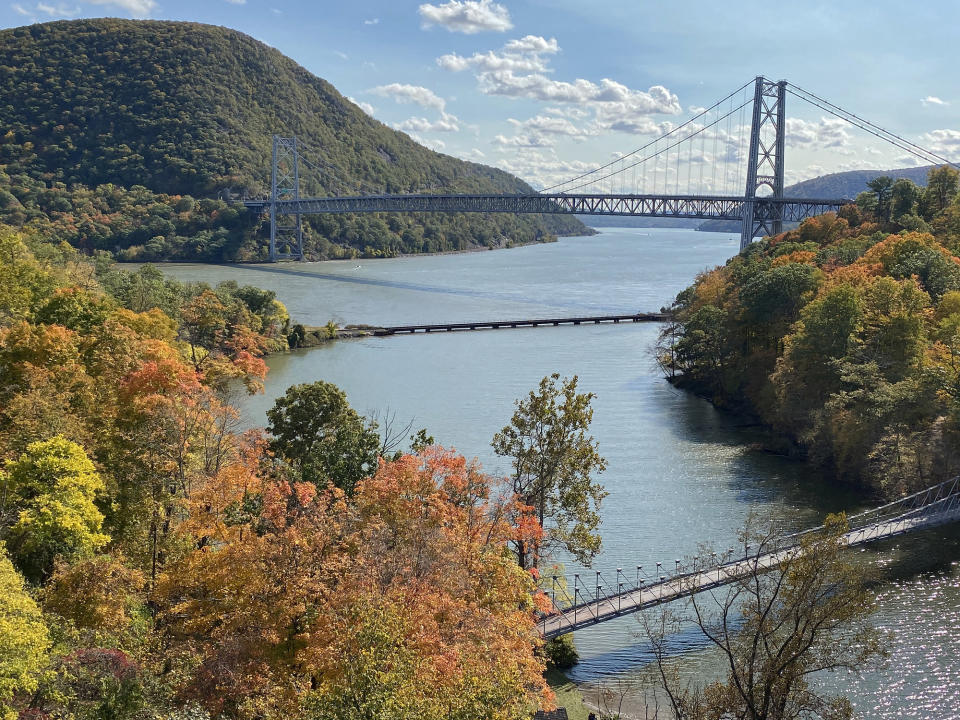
547,88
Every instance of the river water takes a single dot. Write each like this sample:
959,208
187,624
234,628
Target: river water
679,472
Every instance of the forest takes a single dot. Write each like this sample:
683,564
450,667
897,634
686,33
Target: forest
841,336
157,562
104,146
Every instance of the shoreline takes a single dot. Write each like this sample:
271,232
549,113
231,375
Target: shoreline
476,249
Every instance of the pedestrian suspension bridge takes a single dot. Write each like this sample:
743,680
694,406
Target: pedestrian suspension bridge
717,165
579,604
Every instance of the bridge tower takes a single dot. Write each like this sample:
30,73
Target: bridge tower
286,231
765,162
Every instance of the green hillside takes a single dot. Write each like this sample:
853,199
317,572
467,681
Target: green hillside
136,136
851,183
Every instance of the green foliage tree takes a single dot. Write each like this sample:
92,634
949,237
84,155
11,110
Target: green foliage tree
48,506
942,185
24,639
881,188
313,427
903,198
553,461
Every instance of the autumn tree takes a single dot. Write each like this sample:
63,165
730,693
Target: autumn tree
48,506
774,630
402,601
554,460
314,428
24,641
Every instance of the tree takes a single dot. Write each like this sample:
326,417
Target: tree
553,460
903,196
316,430
24,639
942,183
49,495
402,601
881,187
775,629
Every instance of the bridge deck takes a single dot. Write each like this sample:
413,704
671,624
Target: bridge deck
535,322
626,603
701,207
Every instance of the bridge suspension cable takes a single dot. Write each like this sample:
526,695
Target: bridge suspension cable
622,159
662,151
908,146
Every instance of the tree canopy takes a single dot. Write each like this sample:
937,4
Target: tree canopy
840,335
156,561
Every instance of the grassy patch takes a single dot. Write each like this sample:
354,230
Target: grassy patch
568,695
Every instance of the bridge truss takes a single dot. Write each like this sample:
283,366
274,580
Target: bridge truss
682,206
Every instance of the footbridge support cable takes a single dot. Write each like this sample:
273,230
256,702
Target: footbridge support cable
594,604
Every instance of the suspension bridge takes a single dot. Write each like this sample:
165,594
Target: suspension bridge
591,605
713,166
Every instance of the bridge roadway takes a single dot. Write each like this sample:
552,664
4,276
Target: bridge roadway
702,207
536,322
635,600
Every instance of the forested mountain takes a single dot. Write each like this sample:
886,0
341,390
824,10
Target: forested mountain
136,136
853,182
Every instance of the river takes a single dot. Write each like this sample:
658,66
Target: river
679,472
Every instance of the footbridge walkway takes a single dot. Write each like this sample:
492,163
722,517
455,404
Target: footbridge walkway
588,606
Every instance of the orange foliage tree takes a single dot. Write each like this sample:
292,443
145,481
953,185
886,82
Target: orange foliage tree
401,601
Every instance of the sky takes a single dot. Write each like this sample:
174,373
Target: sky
547,89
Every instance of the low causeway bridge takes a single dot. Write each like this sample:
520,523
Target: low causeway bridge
537,322
589,606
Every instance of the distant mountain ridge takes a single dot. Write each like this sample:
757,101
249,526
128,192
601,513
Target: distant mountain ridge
184,109
851,183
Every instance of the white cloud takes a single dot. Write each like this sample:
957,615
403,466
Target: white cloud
467,16
522,55
943,142
338,53
137,8
522,141
909,161
827,133
539,166
365,106
446,123
520,69
415,94
237,2
539,87
933,100
49,11
474,154
433,144
553,125
372,21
